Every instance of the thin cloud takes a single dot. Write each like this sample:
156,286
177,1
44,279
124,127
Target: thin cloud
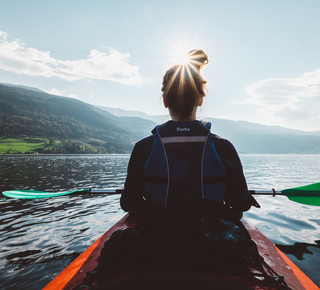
54,91
73,96
110,65
3,35
283,97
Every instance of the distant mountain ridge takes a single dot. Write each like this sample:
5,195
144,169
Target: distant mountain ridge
23,87
32,112
161,118
158,119
251,137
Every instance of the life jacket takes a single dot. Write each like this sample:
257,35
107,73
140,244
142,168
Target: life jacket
183,164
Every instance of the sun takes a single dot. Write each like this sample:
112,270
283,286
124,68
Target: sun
180,56
183,58
182,53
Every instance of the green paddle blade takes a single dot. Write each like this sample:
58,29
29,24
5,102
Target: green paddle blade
33,194
308,194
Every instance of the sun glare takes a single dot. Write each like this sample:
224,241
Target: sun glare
180,56
184,59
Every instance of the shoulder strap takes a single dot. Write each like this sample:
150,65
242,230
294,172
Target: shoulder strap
206,124
154,129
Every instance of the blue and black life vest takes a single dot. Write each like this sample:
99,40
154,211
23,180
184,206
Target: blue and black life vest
183,164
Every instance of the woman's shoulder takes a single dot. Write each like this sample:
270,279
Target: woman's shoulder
141,150
145,140
225,150
144,143
221,141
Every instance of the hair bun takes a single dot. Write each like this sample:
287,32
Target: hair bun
198,58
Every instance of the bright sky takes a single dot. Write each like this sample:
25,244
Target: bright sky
264,55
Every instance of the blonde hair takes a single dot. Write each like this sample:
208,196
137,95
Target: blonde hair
183,86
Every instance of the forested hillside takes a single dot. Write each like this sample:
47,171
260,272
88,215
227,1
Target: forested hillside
30,112
65,125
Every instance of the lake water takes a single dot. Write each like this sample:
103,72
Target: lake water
39,238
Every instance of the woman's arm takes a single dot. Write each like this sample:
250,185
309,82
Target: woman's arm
132,199
237,195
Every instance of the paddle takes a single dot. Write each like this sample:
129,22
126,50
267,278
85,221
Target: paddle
33,194
308,194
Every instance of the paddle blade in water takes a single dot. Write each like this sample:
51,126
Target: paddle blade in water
33,194
308,194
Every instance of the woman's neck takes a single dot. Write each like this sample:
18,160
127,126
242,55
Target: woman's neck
182,120
176,118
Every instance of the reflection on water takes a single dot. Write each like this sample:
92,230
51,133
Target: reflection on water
306,257
267,171
62,172
299,249
285,222
39,238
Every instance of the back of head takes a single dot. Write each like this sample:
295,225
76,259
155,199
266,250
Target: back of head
183,86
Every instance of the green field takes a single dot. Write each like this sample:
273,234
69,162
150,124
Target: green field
20,145
29,145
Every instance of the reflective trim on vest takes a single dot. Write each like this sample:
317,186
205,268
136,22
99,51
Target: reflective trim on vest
187,139
183,164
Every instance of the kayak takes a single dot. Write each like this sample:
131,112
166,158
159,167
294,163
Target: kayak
74,274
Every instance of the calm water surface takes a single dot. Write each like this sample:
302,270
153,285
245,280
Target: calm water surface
38,238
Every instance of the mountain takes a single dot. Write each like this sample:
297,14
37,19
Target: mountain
158,119
251,137
22,87
31,112
137,126
255,138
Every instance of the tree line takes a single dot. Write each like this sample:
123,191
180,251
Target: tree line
25,112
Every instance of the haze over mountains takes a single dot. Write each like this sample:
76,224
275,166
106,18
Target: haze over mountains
250,137
32,112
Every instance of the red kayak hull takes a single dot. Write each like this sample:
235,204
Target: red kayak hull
75,272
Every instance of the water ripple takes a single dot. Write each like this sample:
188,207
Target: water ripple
40,237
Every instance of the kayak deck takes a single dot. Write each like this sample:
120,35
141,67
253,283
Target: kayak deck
75,272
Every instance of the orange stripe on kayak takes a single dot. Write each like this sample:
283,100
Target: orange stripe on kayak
304,280
60,281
